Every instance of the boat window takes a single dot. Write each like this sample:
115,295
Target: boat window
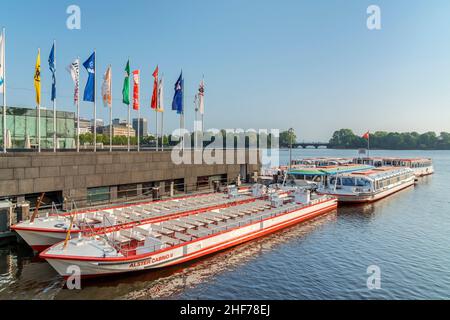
333,181
360,182
348,182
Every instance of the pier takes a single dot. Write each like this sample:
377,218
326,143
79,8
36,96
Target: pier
78,180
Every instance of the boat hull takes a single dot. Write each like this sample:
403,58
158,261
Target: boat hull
90,267
367,198
40,240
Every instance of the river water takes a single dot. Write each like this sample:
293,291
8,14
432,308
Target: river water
406,236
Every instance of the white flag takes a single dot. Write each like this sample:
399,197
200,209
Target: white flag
161,96
201,98
2,62
74,70
106,88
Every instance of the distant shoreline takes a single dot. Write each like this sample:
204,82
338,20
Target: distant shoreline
374,149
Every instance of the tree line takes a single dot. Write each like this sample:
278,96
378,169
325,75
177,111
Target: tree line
346,139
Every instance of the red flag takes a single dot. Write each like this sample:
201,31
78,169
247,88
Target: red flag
154,104
366,135
136,90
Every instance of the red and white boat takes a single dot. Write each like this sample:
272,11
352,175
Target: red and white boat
48,230
367,186
177,240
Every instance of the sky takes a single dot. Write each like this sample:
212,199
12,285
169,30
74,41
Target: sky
312,65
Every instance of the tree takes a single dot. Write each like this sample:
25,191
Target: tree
287,137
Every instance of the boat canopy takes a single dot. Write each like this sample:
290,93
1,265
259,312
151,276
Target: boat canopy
332,170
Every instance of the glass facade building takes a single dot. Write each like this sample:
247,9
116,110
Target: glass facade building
22,122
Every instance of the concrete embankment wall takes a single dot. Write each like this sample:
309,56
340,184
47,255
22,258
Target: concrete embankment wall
71,174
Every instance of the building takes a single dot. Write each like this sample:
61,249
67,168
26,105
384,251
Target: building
21,125
85,126
117,131
143,126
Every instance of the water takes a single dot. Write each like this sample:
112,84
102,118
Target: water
405,235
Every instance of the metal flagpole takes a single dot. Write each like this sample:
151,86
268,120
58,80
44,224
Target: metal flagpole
110,110
162,131
368,144
156,116
4,89
129,124
78,104
182,114
39,114
196,127
139,117
54,100
95,101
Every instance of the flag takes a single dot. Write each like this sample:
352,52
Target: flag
74,70
106,88
366,135
37,78
161,96
154,104
177,104
201,97
126,85
2,57
136,90
89,91
51,65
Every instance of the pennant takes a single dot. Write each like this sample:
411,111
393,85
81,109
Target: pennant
161,96
106,88
89,91
37,78
52,67
126,85
136,90
177,104
2,63
154,104
201,98
74,70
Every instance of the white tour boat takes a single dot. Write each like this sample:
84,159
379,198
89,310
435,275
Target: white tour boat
420,166
177,240
43,232
367,186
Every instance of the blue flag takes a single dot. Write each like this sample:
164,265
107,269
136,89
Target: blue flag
177,104
89,91
51,63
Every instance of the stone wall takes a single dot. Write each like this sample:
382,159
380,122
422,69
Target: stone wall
73,173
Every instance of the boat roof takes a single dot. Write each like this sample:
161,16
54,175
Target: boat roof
376,173
330,170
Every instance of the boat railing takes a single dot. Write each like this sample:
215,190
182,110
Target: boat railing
140,248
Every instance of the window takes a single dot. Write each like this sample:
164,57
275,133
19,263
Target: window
98,194
348,182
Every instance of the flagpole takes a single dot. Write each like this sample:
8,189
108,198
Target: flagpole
139,115
368,145
54,100
156,116
4,89
95,100
110,111
196,124
129,110
182,113
39,111
162,131
78,105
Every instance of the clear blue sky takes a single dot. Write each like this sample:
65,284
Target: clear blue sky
312,65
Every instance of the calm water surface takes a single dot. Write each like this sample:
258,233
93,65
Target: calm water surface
407,236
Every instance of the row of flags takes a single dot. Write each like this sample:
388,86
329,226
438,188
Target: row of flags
89,95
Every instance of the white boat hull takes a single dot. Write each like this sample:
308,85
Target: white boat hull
90,266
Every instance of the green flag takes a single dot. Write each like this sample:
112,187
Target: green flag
126,85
